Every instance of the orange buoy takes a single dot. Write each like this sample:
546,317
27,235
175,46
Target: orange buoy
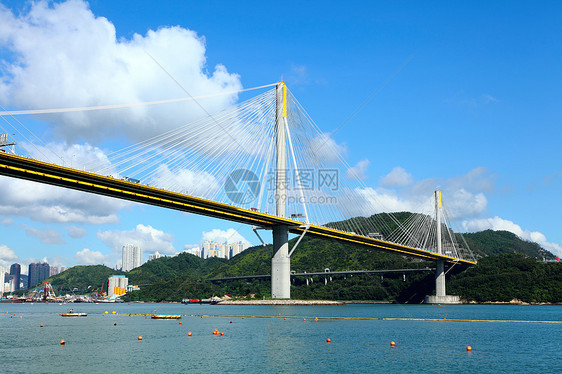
392,344
222,333
316,319
140,337
21,317
180,323
304,319
284,319
189,333
41,326
230,321
242,317
62,342
328,340
468,348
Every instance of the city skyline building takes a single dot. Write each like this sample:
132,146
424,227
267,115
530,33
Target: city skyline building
54,270
155,256
131,257
2,280
15,272
37,273
221,250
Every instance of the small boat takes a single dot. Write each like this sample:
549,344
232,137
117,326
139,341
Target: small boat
166,316
74,314
213,301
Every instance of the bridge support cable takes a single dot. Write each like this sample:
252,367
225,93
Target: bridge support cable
299,240
255,230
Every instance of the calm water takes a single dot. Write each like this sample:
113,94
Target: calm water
275,345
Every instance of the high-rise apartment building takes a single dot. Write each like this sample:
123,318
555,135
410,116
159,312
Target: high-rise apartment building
53,270
15,273
37,274
2,279
132,257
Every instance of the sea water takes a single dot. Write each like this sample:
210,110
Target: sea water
279,339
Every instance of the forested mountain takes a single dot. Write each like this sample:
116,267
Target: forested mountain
507,269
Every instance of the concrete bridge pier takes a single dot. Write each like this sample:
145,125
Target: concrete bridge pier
441,296
280,264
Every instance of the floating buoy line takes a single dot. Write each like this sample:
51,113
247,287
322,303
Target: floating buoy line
316,319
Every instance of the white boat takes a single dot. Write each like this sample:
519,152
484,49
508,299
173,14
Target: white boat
74,314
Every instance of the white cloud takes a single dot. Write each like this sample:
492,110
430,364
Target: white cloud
46,236
6,221
46,203
76,232
6,253
201,184
78,156
460,203
7,256
221,236
358,171
496,223
61,55
477,179
398,177
89,257
144,236
462,195
324,149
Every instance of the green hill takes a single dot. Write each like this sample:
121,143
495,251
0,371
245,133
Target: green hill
509,276
83,278
490,243
173,267
494,278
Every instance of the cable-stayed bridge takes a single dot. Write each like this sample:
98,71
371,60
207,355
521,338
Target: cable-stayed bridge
262,162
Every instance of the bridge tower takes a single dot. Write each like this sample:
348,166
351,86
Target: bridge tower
281,262
441,296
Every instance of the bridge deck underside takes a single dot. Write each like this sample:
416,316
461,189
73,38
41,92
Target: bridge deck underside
38,171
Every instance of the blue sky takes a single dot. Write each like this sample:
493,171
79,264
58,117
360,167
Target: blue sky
466,95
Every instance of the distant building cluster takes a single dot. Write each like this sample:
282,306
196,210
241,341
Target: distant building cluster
221,250
12,280
131,257
155,256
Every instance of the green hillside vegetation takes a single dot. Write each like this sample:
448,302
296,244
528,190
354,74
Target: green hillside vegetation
507,269
509,276
490,243
314,255
172,267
